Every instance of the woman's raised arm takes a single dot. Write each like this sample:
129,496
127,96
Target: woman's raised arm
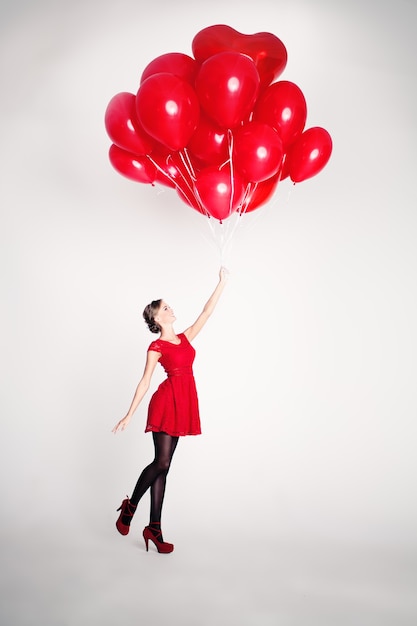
209,307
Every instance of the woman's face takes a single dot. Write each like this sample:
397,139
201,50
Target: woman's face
165,314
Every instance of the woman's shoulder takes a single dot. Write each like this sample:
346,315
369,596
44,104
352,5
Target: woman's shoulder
155,346
183,337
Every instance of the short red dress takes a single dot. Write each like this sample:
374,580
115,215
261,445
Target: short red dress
173,408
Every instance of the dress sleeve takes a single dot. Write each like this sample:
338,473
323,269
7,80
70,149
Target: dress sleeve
155,345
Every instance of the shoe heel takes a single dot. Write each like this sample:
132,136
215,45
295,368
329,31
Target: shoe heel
127,510
146,539
161,546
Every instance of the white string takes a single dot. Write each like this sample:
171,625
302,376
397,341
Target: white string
222,231
184,156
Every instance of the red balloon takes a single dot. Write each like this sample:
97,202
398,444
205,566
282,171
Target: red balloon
135,167
189,198
309,154
285,172
176,63
209,142
227,86
166,173
123,126
257,151
163,179
265,49
168,109
283,106
220,194
261,193
171,170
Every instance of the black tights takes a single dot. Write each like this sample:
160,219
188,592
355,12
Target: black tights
155,474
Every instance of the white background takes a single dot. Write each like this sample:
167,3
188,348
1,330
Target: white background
297,505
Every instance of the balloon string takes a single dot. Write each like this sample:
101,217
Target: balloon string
191,173
226,228
191,193
174,182
223,235
190,187
213,232
160,169
252,191
234,224
257,216
247,197
186,161
184,156
232,227
232,182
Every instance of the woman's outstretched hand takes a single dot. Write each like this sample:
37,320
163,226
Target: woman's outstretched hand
121,425
223,274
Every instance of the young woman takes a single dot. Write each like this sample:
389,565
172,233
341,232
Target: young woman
173,409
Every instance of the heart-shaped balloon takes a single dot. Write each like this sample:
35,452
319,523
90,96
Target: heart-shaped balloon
265,49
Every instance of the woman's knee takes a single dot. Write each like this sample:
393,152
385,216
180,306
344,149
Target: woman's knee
162,464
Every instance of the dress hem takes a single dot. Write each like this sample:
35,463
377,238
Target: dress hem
162,430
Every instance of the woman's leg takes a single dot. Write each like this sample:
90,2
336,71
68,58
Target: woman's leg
155,472
164,449
158,489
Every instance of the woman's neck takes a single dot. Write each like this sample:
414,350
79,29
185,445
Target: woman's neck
168,333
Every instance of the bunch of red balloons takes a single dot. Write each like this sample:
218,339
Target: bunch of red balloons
216,127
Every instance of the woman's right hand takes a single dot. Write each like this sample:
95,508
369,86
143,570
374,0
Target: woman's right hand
121,425
223,274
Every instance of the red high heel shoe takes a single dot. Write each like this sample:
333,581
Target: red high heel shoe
127,509
162,546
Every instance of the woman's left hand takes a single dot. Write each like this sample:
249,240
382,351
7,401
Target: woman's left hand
121,425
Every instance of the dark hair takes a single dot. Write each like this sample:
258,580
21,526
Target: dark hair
149,315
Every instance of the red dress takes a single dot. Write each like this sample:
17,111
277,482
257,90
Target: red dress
173,408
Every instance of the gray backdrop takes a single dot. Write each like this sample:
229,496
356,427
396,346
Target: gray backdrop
297,505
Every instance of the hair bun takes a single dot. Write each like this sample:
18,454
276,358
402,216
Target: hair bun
153,327
149,316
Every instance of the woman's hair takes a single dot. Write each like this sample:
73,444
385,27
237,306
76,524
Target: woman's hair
149,316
